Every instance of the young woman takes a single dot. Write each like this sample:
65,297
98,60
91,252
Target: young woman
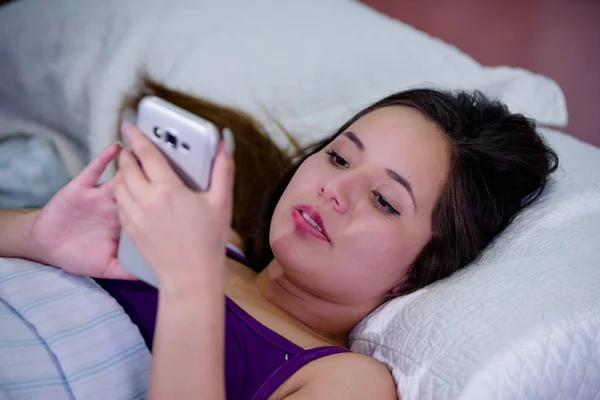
407,192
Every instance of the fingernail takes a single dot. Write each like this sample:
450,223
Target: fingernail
121,145
229,142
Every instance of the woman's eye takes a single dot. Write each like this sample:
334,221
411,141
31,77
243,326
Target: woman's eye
383,204
336,159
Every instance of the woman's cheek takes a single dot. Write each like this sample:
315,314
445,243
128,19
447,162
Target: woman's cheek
379,251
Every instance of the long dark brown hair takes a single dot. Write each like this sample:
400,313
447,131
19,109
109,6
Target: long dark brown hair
499,164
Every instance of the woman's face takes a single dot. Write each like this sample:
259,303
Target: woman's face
356,214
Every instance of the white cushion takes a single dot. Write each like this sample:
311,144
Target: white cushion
65,64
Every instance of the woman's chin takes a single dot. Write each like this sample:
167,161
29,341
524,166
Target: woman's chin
295,254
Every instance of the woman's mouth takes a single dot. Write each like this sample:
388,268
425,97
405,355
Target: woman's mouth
311,221
308,220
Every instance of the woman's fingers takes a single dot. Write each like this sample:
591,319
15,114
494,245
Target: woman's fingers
108,187
91,173
153,162
223,173
132,176
129,210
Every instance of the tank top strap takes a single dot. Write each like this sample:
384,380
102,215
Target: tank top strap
291,366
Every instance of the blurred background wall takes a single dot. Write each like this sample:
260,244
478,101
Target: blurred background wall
556,38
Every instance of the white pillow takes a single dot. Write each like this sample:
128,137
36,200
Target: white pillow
523,322
65,64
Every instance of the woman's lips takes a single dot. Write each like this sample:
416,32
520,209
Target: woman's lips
299,216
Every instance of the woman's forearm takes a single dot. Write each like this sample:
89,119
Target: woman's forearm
188,351
15,232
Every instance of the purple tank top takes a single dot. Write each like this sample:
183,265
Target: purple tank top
257,359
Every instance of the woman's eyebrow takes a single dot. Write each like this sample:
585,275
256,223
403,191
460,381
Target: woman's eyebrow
355,140
404,182
392,174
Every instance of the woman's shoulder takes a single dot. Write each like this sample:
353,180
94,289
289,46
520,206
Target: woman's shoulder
236,239
235,268
344,375
238,270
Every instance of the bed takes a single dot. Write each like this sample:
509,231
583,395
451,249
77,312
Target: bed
522,322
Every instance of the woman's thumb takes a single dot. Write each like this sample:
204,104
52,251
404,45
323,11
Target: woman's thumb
221,185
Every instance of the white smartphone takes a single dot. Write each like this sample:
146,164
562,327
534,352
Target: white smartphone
190,144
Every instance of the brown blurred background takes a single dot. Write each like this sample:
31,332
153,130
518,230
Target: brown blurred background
556,38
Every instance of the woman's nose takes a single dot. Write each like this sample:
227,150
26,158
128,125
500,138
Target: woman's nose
338,192
333,200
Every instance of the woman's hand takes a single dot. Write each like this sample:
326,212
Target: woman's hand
78,230
180,232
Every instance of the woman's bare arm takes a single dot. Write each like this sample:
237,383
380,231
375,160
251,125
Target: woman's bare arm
188,351
16,241
15,233
19,210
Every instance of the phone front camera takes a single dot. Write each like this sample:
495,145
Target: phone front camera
158,132
171,140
